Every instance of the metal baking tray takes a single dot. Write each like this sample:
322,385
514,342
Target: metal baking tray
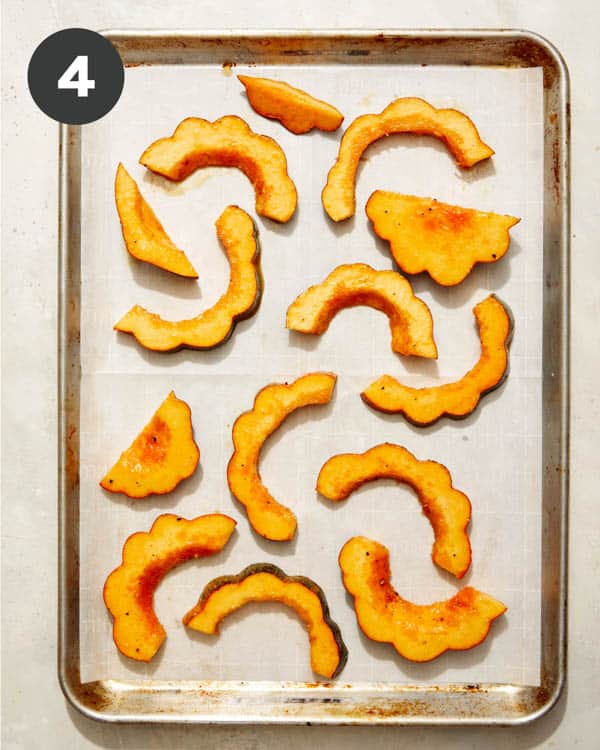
339,702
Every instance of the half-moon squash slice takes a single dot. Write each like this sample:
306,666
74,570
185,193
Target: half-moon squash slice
296,110
145,238
424,406
447,509
161,456
357,284
417,632
264,582
272,405
237,233
227,142
443,240
409,115
147,558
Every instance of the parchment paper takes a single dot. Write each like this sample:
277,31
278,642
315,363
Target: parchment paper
494,456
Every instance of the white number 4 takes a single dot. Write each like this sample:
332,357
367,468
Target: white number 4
76,77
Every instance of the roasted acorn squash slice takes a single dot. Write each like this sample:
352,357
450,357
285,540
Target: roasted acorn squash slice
147,558
143,233
447,509
264,582
417,632
357,284
296,110
444,241
272,405
408,115
424,406
214,326
161,456
227,142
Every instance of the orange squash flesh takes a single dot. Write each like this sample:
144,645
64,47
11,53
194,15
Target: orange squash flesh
143,233
357,284
419,633
409,115
296,110
161,456
263,582
443,240
272,405
227,142
147,558
424,406
447,509
237,233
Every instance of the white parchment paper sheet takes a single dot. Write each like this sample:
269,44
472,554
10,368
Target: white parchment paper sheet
494,455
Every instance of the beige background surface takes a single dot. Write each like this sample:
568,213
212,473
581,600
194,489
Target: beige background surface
34,711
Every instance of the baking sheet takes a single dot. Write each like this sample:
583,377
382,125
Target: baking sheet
494,455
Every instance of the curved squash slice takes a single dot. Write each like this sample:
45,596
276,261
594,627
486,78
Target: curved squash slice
424,406
227,142
214,326
296,110
443,240
264,582
161,456
408,115
357,284
447,509
143,233
147,558
419,633
272,405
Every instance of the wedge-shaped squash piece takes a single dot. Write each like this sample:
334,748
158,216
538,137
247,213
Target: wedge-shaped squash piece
447,509
271,406
443,240
417,632
161,456
227,142
264,582
237,233
143,233
147,558
408,115
424,406
357,284
296,110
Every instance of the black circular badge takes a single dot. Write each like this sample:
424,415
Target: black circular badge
75,76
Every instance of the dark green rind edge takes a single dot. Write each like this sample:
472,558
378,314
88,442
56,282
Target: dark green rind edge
250,570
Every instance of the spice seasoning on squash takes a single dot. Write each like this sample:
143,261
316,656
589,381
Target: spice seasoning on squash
417,632
296,110
447,509
443,240
357,284
263,582
143,233
237,233
227,142
161,456
272,405
424,406
147,558
408,115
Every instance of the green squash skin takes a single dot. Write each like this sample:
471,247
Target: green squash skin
221,581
